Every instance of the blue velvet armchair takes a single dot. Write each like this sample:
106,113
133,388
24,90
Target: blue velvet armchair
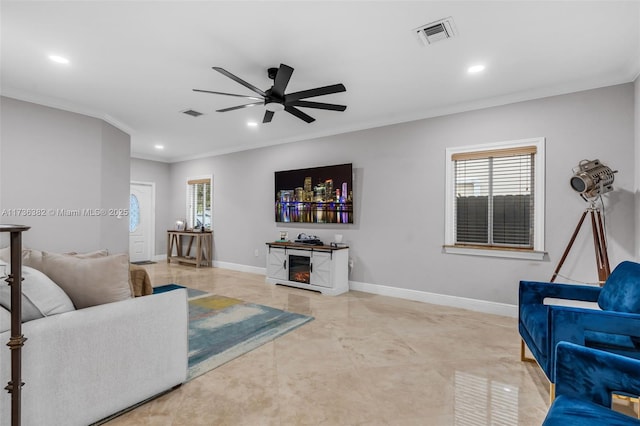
585,381
615,328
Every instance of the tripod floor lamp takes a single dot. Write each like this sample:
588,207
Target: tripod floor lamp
591,179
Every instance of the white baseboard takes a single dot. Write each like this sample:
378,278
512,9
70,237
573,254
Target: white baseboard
485,306
477,305
159,257
239,267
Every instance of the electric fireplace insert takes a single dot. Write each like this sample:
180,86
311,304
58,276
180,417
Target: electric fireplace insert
299,268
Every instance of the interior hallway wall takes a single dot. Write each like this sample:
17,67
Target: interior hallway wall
69,168
158,173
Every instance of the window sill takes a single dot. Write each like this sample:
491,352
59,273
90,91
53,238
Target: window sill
495,252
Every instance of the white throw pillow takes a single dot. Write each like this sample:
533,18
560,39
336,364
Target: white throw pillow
5,320
90,281
41,297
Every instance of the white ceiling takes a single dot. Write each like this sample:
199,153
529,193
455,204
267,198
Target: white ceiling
134,63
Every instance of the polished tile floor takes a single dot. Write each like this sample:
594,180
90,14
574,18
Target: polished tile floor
364,360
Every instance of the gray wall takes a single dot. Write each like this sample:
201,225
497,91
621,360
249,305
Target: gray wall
158,173
398,233
53,159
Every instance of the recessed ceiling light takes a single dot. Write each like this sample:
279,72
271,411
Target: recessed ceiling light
252,124
59,59
158,146
475,69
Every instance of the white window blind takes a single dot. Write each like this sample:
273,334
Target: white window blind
494,201
199,203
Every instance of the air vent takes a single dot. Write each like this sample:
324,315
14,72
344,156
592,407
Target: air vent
436,31
192,113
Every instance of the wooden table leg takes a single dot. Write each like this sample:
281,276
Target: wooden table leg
199,251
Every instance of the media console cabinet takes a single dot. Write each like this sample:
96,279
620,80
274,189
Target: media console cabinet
319,268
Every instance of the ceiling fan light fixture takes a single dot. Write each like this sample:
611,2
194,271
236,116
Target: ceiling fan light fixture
274,106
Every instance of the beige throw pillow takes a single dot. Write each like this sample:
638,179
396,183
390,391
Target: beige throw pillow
90,281
33,258
30,258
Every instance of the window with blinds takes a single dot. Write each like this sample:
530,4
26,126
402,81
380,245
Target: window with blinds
199,203
494,199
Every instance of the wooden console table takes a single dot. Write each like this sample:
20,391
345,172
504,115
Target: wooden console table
16,341
203,247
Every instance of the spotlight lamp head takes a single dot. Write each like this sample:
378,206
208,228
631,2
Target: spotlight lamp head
592,179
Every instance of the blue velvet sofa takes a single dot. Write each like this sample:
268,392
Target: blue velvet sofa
585,381
615,328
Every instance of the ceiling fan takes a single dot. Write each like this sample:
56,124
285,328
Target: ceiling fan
274,99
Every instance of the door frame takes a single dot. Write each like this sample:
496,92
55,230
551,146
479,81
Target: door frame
152,237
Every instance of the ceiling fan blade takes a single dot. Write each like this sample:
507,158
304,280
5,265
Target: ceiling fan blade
301,115
268,115
239,80
239,107
318,105
228,94
326,90
282,79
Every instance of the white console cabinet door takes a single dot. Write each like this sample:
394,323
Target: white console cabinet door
321,269
277,266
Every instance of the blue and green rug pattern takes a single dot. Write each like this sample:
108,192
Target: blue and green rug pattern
222,328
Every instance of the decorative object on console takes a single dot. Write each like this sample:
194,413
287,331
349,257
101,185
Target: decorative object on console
315,195
274,99
309,239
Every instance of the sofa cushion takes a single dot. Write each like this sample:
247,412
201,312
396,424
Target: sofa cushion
572,411
610,342
89,255
90,281
621,291
33,258
5,320
41,296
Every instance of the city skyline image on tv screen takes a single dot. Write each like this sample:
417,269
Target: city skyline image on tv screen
315,195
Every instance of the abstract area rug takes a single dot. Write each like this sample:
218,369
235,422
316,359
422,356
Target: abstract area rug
222,328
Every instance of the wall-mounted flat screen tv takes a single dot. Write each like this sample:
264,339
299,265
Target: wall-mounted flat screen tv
315,195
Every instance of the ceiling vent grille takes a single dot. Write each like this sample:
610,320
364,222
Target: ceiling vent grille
436,31
192,113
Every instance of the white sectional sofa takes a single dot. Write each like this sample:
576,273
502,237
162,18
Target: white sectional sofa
87,364
84,365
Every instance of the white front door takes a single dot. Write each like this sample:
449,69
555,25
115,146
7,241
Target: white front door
141,216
